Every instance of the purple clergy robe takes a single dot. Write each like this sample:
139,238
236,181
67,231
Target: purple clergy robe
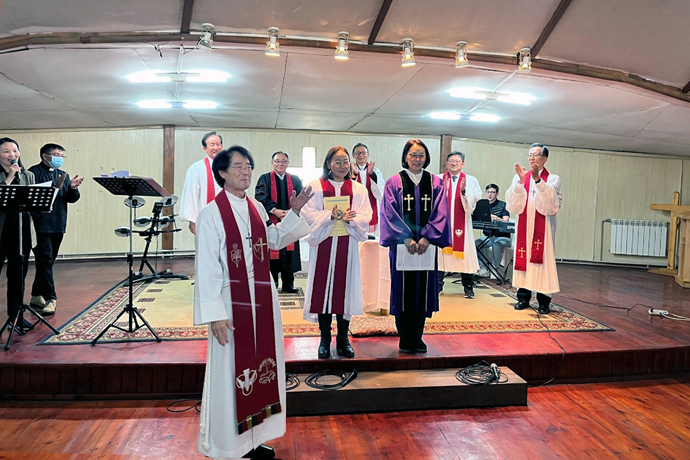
394,230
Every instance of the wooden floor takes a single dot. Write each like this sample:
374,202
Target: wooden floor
625,420
640,347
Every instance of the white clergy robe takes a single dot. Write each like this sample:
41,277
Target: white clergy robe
470,264
319,220
376,190
193,198
213,302
545,198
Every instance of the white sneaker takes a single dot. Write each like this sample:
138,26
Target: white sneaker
49,309
37,301
484,273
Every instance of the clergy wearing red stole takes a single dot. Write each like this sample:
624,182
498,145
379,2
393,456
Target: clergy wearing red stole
535,196
463,192
243,402
199,186
274,190
366,173
414,214
334,286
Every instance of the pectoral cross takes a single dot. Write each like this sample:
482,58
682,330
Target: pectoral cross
409,198
259,249
425,198
538,243
522,252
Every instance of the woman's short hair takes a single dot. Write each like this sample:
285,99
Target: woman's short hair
407,148
326,170
223,160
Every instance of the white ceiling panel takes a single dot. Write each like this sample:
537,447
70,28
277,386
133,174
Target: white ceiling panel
317,121
57,119
672,123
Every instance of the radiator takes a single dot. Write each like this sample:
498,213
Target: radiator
639,237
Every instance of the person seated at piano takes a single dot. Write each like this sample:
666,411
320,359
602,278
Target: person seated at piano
463,192
498,240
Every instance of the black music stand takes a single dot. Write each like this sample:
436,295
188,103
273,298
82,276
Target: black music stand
21,198
130,186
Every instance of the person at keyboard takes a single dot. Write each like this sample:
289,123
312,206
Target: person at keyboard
498,240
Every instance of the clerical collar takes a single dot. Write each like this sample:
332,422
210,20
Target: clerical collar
282,176
362,168
232,197
415,177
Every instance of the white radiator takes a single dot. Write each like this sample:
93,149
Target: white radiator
639,237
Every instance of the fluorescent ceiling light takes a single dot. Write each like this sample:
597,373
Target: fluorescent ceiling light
445,115
199,105
163,104
208,76
155,104
454,116
511,97
195,76
149,76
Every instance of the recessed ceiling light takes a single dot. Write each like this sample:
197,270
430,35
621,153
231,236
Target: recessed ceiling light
163,104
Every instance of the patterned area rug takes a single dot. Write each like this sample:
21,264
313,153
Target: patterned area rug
168,305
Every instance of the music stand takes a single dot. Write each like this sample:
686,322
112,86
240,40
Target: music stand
130,186
20,198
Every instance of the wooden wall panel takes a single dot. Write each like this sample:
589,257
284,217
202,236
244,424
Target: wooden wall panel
685,185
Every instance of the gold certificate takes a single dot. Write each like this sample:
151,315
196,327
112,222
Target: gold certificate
343,203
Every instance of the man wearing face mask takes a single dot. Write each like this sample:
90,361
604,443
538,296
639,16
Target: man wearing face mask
50,227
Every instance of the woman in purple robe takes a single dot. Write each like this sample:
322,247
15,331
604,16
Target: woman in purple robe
414,213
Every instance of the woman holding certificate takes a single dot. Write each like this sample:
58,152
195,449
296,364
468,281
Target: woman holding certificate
339,215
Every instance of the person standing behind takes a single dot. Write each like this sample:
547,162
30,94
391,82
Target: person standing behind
415,213
463,192
243,402
535,196
12,172
334,285
199,187
498,241
51,227
367,174
274,190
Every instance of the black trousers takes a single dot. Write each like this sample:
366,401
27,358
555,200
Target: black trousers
45,253
525,295
467,279
288,278
410,326
16,266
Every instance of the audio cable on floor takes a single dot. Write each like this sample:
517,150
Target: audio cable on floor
345,378
481,373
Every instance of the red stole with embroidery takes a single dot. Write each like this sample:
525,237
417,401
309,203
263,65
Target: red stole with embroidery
274,197
459,219
372,200
320,287
256,369
210,181
537,251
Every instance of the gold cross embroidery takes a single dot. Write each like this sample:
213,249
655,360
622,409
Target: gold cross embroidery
259,249
425,199
522,252
538,243
409,198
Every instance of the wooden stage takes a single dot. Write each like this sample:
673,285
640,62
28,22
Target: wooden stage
641,346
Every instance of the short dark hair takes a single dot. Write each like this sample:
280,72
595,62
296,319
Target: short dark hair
207,135
279,153
48,148
222,161
5,140
492,186
456,152
327,174
359,144
407,148
544,150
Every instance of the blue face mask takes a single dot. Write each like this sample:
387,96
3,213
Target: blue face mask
56,162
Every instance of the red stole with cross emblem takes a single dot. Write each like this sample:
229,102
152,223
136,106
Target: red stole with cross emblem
256,369
537,252
458,242
275,254
323,262
210,181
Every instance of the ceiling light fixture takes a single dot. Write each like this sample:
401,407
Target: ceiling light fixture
163,104
461,55
454,116
205,42
525,61
341,52
272,47
195,76
510,97
408,53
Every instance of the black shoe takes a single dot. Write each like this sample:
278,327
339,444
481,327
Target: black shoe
324,348
344,348
289,290
521,305
544,309
406,351
469,293
261,451
421,347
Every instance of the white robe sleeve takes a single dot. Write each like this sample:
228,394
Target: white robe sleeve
208,284
547,200
516,197
288,230
380,184
359,226
318,218
473,193
189,207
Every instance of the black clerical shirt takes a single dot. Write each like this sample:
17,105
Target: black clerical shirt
55,221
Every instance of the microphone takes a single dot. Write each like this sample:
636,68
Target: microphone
13,162
495,371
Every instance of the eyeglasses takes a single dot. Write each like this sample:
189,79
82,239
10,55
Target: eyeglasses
455,162
534,155
59,155
242,168
491,192
340,164
416,157
280,162
358,154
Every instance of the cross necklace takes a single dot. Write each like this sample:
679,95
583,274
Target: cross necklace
249,235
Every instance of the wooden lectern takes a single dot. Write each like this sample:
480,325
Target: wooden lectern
678,214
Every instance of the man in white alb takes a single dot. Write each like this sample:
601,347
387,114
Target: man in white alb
243,402
366,173
199,187
535,196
